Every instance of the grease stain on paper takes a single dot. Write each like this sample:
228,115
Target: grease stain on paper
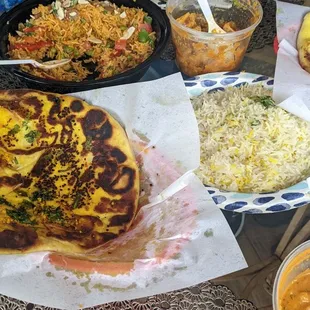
86,286
208,233
100,287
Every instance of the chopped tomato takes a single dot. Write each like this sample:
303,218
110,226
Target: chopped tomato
146,27
120,45
117,53
32,46
31,29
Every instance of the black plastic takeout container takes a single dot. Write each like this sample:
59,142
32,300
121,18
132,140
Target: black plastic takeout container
9,24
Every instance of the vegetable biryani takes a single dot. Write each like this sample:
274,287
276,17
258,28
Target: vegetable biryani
97,36
248,144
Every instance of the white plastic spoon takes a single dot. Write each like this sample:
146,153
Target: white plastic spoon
213,27
44,65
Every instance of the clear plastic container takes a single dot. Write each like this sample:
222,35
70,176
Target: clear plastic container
200,52
296,263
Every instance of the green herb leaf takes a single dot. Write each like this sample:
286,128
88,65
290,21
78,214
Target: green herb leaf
88,143
68,49
14,130
76,53
123,28
54,214
3,201
32,135
28,25
152,43
266,101
90,53
15,161
27,204
26,121
76,201
83,20
43,195
20,215
53,51
110,43
148,19
256,122
48,156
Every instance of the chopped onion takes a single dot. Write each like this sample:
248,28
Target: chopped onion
57,5
94,40
128,33
21,34
123,15
66,3
61,13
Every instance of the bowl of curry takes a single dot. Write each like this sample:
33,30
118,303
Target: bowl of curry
199,51
291,289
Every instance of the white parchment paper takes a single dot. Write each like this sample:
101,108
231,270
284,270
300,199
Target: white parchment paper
290,78
180,237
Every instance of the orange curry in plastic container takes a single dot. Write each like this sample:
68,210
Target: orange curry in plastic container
197,50
291,289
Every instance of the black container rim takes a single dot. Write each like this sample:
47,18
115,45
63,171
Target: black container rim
147,5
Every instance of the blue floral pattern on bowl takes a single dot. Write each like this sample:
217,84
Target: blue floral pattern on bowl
293,197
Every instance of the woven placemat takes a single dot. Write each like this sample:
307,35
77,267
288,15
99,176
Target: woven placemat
204,296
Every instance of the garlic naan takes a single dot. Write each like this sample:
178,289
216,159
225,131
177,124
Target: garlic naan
69,180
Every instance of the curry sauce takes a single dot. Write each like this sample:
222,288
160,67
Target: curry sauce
297,295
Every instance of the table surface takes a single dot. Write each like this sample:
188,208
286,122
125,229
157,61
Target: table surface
259,236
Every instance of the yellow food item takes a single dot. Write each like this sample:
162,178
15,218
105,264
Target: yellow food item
101,39
69,181
297,295
303,43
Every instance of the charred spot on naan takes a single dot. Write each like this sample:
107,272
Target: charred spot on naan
67,172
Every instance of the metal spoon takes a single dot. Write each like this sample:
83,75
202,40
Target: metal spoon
213,27
44,65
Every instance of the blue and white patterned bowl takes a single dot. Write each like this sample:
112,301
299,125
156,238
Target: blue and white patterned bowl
289,198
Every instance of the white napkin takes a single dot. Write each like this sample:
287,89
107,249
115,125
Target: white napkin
292,83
